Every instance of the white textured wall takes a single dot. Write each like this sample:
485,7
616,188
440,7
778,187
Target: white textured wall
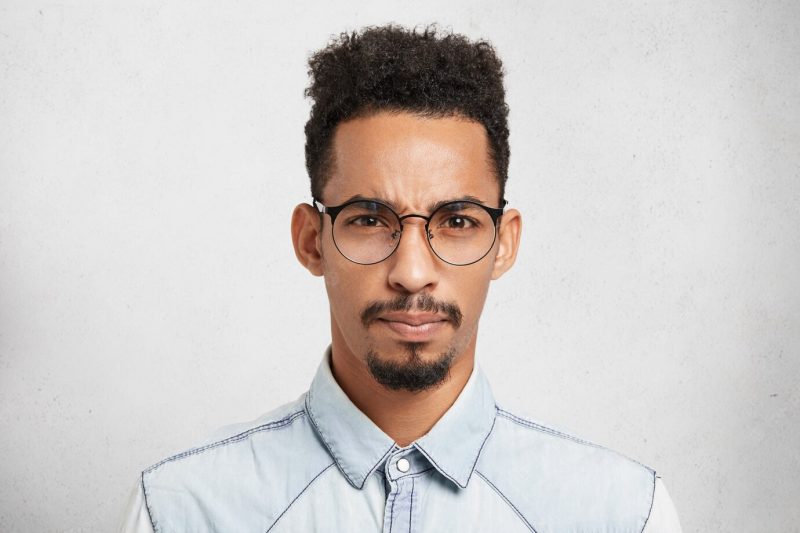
151,154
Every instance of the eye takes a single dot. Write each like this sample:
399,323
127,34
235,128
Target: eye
459,222
366,221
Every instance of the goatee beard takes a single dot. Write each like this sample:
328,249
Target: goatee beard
413,374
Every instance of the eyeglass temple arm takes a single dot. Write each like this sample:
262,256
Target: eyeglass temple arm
496,212
332,212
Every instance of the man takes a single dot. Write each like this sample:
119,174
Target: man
407,151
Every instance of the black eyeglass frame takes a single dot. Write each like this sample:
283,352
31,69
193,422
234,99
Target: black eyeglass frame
333,211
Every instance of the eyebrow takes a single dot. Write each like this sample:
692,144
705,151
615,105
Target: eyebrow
431,207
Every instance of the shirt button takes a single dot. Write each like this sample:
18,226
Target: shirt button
403,465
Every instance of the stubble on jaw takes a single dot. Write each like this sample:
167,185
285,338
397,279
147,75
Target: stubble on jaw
413,374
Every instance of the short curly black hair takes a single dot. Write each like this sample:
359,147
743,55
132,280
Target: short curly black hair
391,68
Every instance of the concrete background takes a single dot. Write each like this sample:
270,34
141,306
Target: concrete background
151,154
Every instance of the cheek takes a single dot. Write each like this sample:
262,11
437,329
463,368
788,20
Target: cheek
470,290
342,291
336,272
349,290
342,301
333,283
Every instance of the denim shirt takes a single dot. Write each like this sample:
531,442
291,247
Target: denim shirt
320,464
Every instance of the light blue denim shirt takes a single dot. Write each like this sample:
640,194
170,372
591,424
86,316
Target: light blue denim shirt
320,464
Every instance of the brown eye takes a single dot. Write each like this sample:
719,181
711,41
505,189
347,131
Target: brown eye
366,221
459,222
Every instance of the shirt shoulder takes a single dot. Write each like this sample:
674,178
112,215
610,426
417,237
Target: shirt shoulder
663,516
560,482
273,419
226,437
268,459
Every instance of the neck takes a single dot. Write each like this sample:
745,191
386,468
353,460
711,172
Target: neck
403,415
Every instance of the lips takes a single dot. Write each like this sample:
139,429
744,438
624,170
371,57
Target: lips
417,327
412,319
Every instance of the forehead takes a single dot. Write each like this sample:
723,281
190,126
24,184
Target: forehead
411,161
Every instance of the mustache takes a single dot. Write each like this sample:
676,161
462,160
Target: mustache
423,302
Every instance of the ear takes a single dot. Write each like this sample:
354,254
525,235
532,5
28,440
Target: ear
306,236
508,242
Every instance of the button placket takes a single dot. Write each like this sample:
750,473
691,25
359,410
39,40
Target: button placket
405,462
405,481
397,513
393,465
403,465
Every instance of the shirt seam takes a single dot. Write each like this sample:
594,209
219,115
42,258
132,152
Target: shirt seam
652,502
298,496
411,507
391,510
550,431
285,421
147,505
415,474
508,502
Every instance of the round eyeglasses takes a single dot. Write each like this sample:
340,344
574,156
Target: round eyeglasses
368,231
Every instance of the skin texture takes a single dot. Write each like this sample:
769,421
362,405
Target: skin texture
410,162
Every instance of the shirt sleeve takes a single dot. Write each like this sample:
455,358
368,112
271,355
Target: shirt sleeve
663,516
135,518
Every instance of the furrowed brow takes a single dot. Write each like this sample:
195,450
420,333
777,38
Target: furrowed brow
440,203
431,207
370,199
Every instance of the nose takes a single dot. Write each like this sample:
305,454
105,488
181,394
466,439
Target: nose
413,265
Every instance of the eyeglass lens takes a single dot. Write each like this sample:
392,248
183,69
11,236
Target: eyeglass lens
460,233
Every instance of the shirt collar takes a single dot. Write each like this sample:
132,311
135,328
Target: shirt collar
359,446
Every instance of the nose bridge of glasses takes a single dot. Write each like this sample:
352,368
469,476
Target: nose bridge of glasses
414,215
424,225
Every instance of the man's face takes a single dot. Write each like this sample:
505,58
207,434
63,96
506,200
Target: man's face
411,163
